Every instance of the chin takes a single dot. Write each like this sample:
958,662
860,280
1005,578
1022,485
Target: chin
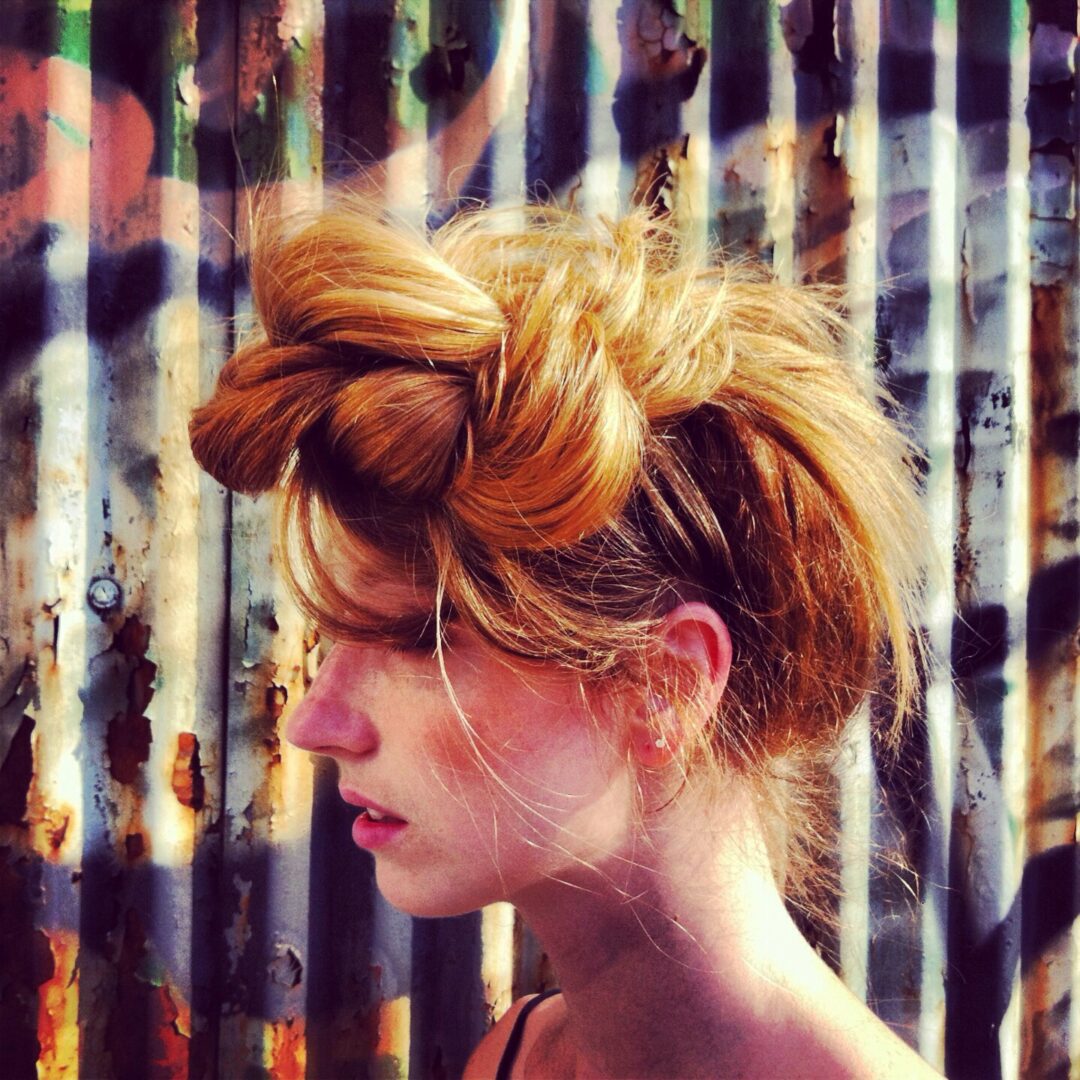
430,897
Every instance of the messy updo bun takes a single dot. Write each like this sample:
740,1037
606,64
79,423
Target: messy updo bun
560,424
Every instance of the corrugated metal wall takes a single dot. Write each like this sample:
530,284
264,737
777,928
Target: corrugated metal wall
178,892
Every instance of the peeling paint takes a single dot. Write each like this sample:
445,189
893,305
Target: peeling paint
187,779
58,1029
161,1048
129,734
288,1049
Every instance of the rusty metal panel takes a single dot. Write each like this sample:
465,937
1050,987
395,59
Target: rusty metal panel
178,892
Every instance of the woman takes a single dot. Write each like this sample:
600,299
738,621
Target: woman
611,543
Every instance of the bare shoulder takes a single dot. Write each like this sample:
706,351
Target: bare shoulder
484,1061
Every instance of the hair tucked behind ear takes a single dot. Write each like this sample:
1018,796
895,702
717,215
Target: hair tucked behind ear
560,422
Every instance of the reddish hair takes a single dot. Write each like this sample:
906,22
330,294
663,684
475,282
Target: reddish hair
560,424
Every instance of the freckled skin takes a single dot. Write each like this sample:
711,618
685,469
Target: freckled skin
555,793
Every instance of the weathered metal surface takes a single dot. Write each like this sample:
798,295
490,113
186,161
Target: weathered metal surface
178,893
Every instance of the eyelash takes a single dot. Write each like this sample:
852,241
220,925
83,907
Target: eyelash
424,642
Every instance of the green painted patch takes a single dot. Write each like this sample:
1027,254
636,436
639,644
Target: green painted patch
299,146
1018,23
178,71
69,130
945,10
72,31
409,42
597,80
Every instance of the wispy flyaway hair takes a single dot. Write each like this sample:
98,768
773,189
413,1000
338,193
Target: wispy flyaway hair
563,424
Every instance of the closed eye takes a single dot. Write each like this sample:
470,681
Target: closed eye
418,636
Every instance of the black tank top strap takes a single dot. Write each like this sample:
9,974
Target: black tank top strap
513,1044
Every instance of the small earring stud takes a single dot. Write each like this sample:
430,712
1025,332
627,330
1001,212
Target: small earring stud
661,743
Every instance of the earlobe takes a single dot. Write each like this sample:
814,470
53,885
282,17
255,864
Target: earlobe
653,734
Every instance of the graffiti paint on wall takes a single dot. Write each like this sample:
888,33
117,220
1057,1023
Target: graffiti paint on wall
166,902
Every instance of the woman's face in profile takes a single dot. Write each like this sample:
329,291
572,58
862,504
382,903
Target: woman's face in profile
537,789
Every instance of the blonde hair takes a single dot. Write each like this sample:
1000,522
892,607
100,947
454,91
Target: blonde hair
561,424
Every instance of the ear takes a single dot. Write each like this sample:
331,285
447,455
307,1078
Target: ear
691,663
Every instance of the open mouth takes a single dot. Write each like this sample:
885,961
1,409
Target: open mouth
373,828
374,815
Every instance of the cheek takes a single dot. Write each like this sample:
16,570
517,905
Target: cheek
534,769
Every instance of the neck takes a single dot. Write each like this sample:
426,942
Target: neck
685,937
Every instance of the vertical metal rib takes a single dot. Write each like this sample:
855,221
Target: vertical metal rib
1049,1032
857,34
781,144
267,796
988,636
47,453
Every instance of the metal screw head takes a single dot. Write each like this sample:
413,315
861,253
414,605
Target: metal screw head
104,595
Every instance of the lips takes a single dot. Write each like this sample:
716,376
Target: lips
375,826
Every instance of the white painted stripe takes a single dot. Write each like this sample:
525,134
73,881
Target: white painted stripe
943,255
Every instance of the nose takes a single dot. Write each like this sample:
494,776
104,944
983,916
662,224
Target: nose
333,719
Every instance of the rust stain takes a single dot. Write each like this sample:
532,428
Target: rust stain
288,1049
657,47
1051,800
170,1041
128,744
49,826
134,846
1045,1050
656,178
660,69
270,792
165,1052
277,698
1052,636
824,201
824,212
263,48
58,1008
1055,420
187,778
129,735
